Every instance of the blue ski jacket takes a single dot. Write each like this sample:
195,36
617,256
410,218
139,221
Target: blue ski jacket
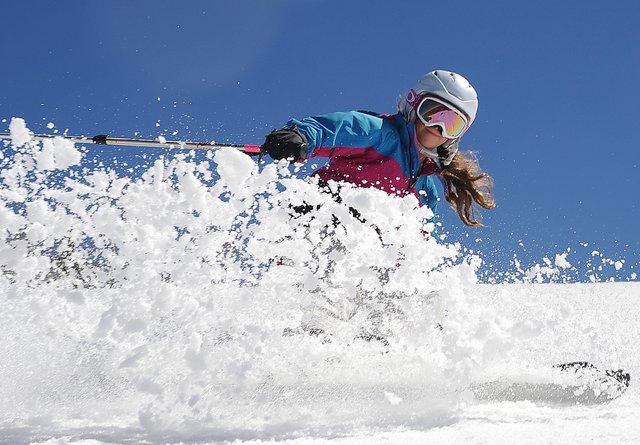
370,150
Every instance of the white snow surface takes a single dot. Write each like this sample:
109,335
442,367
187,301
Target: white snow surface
169,309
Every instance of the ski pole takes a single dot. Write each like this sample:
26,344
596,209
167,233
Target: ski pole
103,139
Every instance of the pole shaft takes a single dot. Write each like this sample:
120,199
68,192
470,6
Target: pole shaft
251,150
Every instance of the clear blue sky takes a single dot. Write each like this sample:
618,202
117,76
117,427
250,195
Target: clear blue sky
557,84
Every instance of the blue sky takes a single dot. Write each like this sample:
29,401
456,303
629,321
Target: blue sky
557,85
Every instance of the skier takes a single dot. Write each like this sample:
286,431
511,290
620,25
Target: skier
399,153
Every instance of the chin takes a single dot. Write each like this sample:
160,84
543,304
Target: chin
434,144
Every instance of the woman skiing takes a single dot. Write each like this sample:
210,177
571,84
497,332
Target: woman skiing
399,153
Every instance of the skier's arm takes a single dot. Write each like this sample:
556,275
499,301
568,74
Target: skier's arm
302,138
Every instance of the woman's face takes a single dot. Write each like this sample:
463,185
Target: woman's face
429,137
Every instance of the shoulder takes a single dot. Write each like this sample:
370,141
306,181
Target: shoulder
365,119
353,119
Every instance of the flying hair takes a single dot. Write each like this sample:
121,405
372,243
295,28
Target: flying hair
467,187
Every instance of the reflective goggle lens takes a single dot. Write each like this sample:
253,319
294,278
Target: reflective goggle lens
432,112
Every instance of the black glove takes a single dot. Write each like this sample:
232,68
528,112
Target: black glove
285,144
447,151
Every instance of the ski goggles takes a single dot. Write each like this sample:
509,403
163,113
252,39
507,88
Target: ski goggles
433,111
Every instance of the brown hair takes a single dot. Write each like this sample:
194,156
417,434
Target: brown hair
466,184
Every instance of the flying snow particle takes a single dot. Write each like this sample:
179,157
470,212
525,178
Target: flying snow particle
57,153
20,134
234,167
561,261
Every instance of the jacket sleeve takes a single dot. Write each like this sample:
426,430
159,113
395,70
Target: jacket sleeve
429,195
330,132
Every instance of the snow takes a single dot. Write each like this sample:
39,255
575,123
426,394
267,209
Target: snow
561,261
169,309
57,153
234,168
20,135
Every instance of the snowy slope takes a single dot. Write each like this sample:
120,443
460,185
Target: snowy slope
600,325
178,307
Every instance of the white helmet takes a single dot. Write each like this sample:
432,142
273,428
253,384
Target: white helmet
446,85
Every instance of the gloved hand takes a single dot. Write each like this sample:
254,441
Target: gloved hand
285,144
447,151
